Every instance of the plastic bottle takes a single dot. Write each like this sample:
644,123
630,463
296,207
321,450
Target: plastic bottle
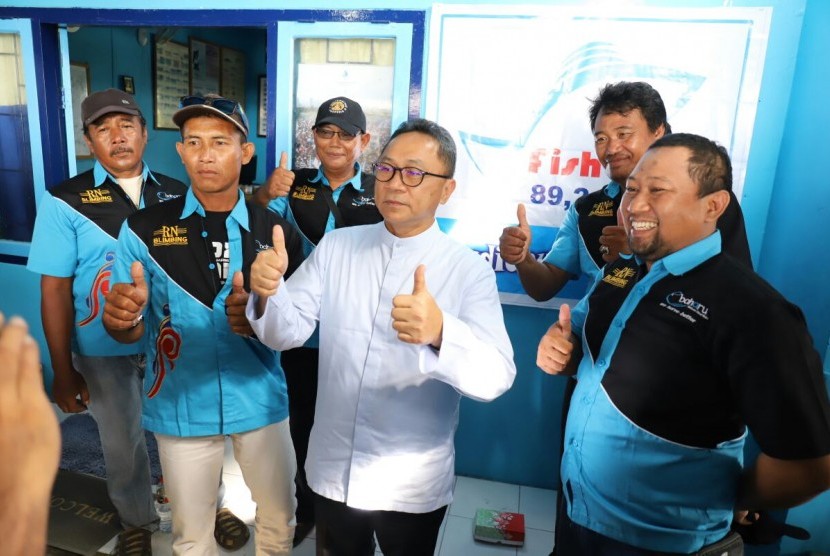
163,509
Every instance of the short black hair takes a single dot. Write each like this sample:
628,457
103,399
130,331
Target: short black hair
625,96
446,144
709,164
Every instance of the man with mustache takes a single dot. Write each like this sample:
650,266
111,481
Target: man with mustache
73,248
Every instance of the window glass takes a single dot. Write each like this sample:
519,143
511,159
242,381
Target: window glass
17,197
361,69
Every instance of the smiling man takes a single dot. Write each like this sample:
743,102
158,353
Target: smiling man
180,285
73,247
680,349
410,321
338,194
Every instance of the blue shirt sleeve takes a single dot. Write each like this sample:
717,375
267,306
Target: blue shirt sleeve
565,251
279,205
125,254
54,249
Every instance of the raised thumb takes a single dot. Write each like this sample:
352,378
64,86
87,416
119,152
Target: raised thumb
565,319
278,239
521,213
420,282
137,274
238,282
284,160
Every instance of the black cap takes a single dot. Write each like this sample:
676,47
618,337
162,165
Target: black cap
106,102
343,112
228,109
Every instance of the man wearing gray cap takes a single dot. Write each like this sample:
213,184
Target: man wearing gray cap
180,278
73,248
338,194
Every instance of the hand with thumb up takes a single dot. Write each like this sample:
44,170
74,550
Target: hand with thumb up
555,350
416,317
270,265
235,307
124,306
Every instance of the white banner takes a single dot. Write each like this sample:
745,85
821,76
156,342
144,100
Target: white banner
513,85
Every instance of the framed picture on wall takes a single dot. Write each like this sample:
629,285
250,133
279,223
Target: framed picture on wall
232,83
171,81
79,78
127,84
262,113
205,67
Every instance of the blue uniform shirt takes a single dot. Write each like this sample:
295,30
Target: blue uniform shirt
75,236
201,379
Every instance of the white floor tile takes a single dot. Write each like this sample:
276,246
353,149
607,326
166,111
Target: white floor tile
537,543
471,494
539,507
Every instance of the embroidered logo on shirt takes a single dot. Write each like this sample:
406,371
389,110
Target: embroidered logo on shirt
163,196
304,193
99,289
170,235
94,196
168,345
678,303
261,246
363,201
603,208
620,277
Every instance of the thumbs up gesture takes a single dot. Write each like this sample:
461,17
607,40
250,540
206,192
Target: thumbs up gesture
557,344
280,180
614,240
235,307
270,266
514,242
417,317
125,302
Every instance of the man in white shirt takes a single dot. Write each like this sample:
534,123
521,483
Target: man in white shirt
409,321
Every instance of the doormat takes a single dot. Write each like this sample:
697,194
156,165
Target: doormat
81,517
81,448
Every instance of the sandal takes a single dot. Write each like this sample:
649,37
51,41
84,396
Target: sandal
134,542
230,532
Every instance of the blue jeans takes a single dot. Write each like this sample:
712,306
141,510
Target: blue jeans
115,395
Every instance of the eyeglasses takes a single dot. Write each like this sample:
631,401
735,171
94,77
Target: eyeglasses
325,133
410,177
224,105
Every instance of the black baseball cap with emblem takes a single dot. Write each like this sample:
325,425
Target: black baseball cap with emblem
343,112
106,102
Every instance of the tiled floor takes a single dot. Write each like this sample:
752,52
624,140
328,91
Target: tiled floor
456,536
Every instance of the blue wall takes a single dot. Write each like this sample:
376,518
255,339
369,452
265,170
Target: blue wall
787,204
112,52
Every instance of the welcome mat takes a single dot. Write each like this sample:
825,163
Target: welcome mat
81,517
82,452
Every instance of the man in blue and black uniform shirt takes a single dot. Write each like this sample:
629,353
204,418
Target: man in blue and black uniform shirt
74,248
180,278
338,194
680,348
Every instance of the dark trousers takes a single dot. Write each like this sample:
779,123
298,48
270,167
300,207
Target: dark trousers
350,532
300,367
561,505
575,540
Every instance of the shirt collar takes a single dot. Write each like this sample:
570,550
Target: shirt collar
426,238
100,174
238,213
355,181
612,189
684,260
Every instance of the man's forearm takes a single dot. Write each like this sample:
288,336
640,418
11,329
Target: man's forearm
128,336
541,280
27,516
260,196
57,314
774,483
